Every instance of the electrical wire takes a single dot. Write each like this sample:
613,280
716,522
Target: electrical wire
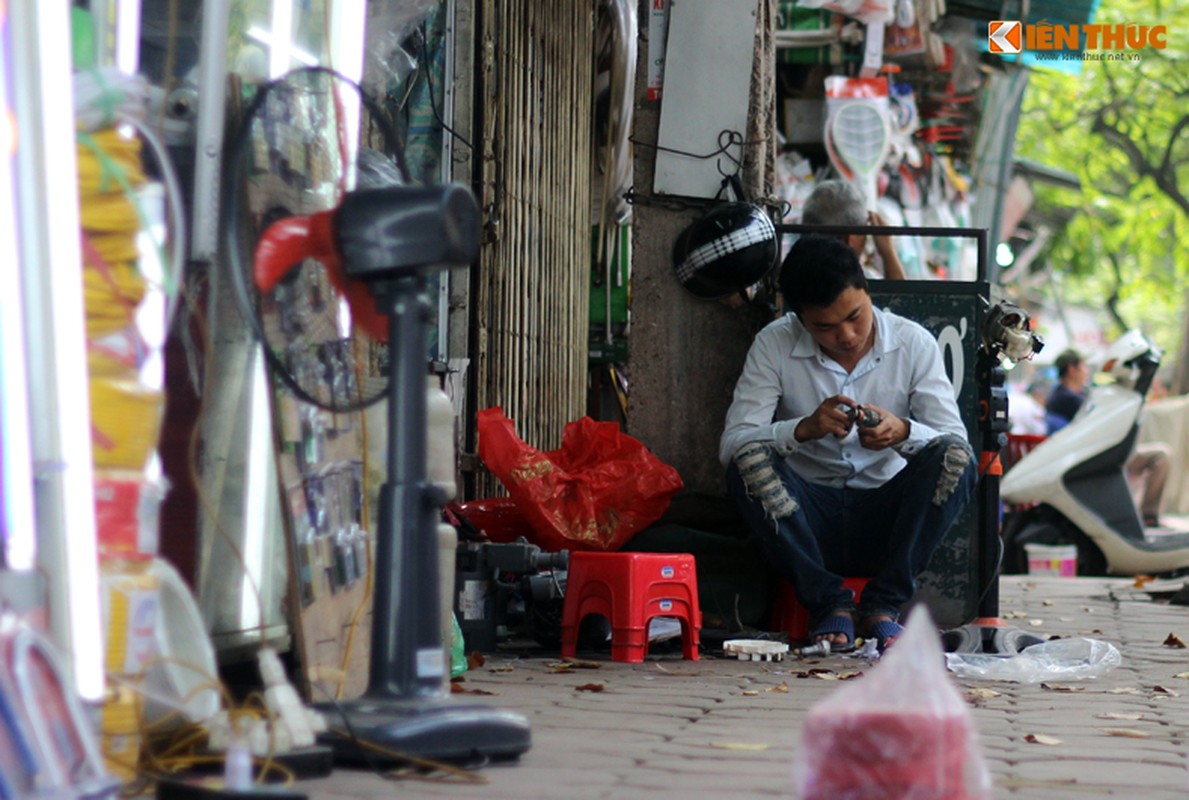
195,479
429,85
365,522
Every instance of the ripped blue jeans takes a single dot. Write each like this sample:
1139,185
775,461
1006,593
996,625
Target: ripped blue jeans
819,534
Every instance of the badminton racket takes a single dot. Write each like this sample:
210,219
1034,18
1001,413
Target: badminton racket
858,143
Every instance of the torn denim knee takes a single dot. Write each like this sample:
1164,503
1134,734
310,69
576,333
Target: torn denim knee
954,463
754,462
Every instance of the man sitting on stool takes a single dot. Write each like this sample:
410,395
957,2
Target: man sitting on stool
844,446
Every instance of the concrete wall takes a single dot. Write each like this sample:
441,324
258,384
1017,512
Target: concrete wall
686,352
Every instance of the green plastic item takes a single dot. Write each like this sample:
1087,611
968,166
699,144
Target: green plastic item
458,656
82,38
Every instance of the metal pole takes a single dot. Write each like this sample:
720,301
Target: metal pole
407,659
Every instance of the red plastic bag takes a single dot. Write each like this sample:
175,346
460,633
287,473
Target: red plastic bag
593,493
899,732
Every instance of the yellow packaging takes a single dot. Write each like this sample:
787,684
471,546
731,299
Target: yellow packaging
131,604
125,422
108,212
111,294
120,733
118,355
113,247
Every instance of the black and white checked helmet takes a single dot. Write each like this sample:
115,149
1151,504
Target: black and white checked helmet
730,248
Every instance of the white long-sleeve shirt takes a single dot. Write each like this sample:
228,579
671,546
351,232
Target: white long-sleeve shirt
786,377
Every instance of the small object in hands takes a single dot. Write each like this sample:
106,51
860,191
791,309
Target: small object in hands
862,416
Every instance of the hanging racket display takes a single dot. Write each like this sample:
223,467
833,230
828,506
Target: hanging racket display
857,140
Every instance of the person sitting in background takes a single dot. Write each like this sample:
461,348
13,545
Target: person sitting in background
1073,373
1026,412
836,202
1146,468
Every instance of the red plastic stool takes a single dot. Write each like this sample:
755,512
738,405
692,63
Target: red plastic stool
629,589
790,616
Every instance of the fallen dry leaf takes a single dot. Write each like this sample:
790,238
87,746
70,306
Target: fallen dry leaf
1124,690
680,674
1141,580
1120,715
781,687
1014,615
1062,687
1036,623
456,688
1046,602
578,663
750,692
751,746
826,676
1163,690
590,687
1172,640
1041,738
1088,609
502,668
1126,733
476,660
846,676
1181,675
981,693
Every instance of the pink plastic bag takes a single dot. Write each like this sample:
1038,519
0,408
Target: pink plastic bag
593,493
900,732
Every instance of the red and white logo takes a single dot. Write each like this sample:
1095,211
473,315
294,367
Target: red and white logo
1005,36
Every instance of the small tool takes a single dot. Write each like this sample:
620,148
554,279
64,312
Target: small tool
862,416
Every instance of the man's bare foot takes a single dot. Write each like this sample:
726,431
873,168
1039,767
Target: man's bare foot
837,628
883,628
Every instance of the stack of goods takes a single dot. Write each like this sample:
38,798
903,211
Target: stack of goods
122,276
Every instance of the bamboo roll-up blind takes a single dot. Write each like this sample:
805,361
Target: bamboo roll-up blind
532,292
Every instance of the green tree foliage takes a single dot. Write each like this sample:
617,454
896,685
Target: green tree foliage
1123,128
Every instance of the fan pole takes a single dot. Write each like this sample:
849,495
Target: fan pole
406,659
405,707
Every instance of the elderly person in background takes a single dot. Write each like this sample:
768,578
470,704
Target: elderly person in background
836,202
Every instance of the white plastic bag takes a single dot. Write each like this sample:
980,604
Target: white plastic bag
1060,659
900,732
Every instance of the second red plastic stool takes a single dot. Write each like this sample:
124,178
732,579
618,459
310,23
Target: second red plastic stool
790,616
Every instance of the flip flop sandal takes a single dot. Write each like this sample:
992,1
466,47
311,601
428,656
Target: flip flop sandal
885,632
836,623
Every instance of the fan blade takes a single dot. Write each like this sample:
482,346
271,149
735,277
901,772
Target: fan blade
324,247
282,247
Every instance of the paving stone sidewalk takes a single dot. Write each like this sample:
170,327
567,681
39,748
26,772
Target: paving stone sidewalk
719,727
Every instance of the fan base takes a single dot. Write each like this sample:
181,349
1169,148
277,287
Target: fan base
429,728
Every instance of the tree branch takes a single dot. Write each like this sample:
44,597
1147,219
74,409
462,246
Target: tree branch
1164,178
1112,302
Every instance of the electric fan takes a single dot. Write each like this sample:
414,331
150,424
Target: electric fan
364,256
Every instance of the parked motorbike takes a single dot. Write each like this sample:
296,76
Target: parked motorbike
1072,488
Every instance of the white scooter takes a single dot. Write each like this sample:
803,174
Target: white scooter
1071,488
